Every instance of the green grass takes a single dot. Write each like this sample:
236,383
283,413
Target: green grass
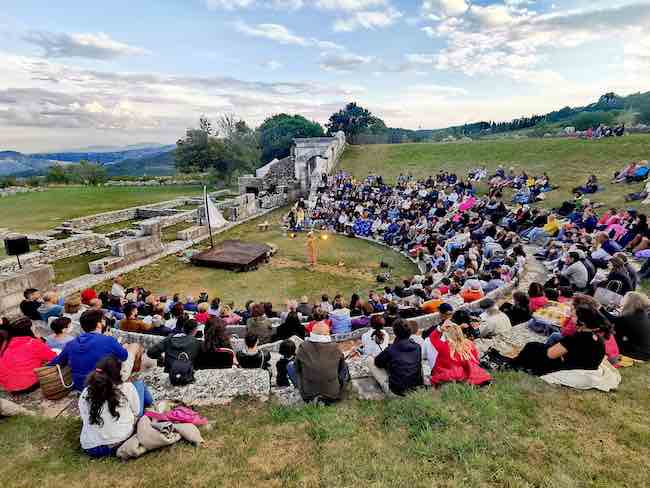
69,268
285,277
568,162
115,226
517,432
169,233
30,212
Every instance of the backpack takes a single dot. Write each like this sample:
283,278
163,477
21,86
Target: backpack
181,371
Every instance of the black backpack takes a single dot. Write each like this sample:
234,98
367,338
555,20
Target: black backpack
181,371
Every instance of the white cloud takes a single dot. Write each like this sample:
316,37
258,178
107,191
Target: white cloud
94,46
272,32
63,100
511,40
272,65
370,19
350,5
344,61
242,4
436,9
281,34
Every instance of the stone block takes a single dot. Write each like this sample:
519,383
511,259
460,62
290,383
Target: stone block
192,233
211,387
13,285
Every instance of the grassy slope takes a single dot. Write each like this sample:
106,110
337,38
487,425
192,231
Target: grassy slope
285,276
31,212
518,432
568,162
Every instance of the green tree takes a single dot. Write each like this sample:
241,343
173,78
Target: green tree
57,174
235,151
89,173
354,120
276,134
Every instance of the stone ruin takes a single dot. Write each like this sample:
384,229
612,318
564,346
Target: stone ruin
296,175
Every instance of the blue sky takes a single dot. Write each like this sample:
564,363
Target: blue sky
79,73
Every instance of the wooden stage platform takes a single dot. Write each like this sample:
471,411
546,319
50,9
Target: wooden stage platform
233,255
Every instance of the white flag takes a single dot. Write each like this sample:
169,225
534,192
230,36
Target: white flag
215,219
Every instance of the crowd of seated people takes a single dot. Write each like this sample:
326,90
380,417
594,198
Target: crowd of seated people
468,246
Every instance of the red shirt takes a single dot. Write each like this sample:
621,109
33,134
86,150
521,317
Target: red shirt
18,361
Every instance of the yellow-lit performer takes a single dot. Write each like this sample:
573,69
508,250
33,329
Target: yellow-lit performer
312,249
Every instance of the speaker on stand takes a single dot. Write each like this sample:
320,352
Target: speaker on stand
15,245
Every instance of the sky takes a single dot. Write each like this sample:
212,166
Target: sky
77,73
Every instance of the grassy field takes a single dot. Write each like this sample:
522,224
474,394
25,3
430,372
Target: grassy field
567,162
169,233
30,212
286,276
517,432
69,268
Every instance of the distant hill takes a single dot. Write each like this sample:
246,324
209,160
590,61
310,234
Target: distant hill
610,109
156,160
157,165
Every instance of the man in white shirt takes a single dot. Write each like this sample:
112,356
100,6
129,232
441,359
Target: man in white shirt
117,290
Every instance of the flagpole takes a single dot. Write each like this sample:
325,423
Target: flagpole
207,213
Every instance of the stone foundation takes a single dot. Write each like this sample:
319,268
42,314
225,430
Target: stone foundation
192,233
13,285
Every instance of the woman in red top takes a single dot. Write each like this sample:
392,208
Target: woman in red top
453,357
20,353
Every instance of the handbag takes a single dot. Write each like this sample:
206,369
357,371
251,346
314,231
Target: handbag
608,297
55,382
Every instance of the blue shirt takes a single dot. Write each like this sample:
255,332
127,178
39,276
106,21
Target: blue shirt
83,353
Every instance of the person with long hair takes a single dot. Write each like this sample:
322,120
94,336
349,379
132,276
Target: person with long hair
453,357
20,354
290,327
632,326
216,350
583,350
109,408
376,339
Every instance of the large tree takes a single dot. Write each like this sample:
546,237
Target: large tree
234,151
354,120
277,133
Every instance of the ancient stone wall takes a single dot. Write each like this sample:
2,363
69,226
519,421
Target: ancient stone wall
12,286
54,249
105,218
315,156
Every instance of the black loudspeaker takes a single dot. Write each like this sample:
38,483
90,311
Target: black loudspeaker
16,245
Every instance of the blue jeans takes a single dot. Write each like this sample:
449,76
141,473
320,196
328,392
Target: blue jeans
553,339
144,395
291,373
